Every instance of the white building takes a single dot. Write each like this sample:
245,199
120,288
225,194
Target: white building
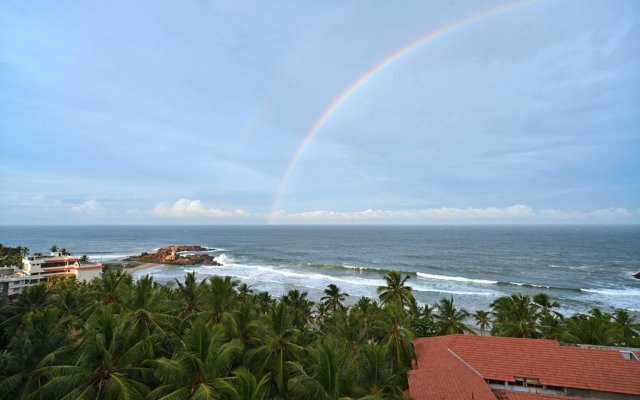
38,268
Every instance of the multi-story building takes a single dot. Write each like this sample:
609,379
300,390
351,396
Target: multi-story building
39,268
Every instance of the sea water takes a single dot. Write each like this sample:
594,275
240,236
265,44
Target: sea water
580,266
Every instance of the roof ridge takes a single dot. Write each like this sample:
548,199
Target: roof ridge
465,363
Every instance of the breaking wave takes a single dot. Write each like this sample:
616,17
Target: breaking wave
632,292
224,259
455,278
345,266
269,273
107,257
491,282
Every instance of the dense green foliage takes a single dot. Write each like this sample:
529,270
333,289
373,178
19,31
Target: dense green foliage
12,256
214,339
115,338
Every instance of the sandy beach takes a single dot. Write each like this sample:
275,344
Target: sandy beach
131,270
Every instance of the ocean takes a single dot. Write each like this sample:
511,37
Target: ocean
580,266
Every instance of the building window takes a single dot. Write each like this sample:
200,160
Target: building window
628,355
535,383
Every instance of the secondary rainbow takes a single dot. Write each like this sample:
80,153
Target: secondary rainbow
358,83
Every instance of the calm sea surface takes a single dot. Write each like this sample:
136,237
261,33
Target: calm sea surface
581,266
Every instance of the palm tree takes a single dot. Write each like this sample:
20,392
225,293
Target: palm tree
106,367
327,378
31,300
366,310
349,326
483,319
449,318
392,328
321,312
37,344
243,385
221,296
189,293
591,329
428,312
264,302
147,314
374,373
515,316
300,307
113,288
546,304
552,326
244,290
333,298
194,372
363,305
396,290
278,347
244,325
625,328
53,248
64,252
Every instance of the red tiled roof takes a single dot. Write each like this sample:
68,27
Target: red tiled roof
504,359
567,366
440,374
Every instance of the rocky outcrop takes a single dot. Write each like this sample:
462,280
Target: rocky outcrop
191,247
170,255
637,276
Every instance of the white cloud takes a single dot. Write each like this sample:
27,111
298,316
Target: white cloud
187,208
517,212
611,213
442,213
91,207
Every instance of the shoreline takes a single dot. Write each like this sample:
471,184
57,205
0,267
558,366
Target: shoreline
131,270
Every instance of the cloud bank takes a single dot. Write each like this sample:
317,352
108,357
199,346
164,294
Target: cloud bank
515,213
187,208
190,209
442,213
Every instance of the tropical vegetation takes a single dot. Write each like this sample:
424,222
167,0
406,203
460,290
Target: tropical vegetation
116,338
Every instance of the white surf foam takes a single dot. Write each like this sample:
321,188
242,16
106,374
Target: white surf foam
632,292
361,268
224,259
455,278
107,257
449,291
354,267
529,285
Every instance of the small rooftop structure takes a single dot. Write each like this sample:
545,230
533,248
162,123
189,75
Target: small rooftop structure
490,368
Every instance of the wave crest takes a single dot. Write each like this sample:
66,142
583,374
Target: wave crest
455,278
632,292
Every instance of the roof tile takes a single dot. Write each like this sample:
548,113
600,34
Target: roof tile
456,366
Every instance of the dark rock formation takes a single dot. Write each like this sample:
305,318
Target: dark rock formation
169,255
637,276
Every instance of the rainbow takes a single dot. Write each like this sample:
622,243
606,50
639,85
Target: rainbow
358,83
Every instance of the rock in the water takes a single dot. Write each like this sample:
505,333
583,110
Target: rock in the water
637,276
169,255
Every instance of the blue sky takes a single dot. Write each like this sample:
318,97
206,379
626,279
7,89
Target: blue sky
160,112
